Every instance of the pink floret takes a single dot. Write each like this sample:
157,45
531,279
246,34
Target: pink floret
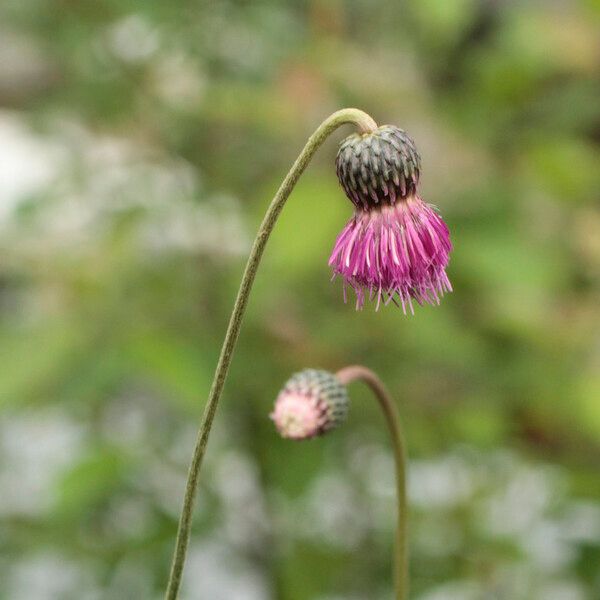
395,251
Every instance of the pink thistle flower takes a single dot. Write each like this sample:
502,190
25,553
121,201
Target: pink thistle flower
396,247
310,404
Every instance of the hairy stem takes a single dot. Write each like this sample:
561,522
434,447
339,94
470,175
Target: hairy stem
365,124
346,376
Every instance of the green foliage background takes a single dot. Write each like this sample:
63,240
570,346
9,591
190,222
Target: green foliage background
140,143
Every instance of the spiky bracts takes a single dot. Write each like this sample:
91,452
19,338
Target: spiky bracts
378,168
311,403
396,247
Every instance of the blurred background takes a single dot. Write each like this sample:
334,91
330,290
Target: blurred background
140,143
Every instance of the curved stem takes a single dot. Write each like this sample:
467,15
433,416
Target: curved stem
346,376
365,124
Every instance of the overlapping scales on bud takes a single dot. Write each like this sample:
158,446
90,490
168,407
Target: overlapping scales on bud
379,167
311,403
396,247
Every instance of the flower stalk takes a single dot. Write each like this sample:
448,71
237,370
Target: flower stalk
400,566
365,124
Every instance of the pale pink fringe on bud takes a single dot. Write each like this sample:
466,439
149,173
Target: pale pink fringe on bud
311,403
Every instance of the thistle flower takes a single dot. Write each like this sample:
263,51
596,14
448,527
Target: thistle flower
396,247
310,404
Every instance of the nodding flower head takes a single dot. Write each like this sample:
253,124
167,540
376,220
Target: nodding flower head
396,247
310,404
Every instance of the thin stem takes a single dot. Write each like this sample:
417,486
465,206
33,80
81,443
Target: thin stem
346,376
365,124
